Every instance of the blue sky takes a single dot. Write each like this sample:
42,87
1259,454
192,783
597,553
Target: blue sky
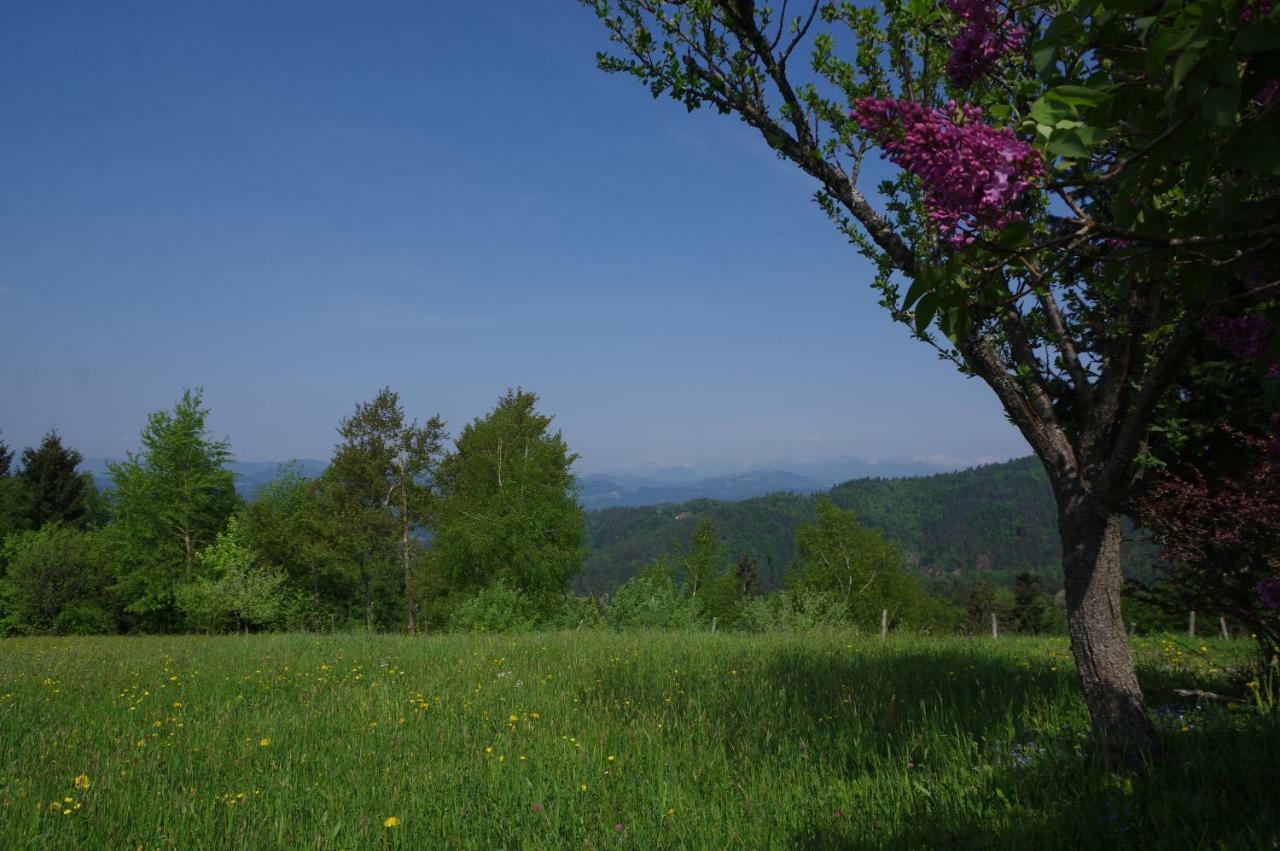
293,204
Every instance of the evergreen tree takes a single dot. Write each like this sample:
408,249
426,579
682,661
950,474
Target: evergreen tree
14,509
744,573
981,603
170,500
508,507
6,460
55,491
1029,605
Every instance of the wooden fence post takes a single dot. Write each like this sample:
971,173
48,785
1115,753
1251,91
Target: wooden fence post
995,630
884,623
1222,623
1191,625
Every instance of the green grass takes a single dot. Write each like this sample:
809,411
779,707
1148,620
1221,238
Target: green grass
680,740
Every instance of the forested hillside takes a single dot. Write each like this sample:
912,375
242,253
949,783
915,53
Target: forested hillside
998,517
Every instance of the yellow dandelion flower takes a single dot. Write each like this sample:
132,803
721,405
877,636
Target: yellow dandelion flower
390,821
611,757
262,743
489,749
82,781
514,718
582,787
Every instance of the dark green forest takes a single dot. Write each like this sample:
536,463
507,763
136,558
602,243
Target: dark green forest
997,518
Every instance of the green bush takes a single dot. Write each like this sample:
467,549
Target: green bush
651,601
84,617
794,610
495,608
575,613
49,570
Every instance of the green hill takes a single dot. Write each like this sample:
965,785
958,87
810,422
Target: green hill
998,517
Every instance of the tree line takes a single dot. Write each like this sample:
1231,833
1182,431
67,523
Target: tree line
393,535
402,531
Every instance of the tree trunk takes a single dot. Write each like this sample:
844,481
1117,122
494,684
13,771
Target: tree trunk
411,610
1092,579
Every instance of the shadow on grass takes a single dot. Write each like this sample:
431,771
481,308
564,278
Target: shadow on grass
954,714
1215,784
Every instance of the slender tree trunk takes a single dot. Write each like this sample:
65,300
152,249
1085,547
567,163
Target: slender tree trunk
1091,567
411,611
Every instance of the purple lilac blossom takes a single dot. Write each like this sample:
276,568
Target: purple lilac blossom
1269,593
1246,337
1262,8
981,41
973,173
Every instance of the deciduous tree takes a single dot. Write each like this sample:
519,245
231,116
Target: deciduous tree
508,506
170,500
1077,187
382,482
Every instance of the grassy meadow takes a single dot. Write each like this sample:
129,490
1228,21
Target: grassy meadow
598,740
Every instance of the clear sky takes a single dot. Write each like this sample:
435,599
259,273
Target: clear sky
293,204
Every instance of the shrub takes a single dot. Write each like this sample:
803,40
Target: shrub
84,617
794,610
49,570
495,608
651,601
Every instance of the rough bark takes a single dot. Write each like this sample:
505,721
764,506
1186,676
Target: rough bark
1092,579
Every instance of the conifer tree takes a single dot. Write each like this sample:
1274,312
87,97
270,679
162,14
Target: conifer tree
55,491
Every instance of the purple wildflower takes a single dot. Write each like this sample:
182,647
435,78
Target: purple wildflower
973,173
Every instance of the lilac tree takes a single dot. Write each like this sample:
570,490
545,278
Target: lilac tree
1079,186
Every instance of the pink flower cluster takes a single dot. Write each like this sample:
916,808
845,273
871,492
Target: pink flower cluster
1246,337
1261,7
981,42
973,173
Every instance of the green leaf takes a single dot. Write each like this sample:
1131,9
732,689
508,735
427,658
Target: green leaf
1014,236
1258,37
1044,56
925,312
1219,107
1183,66
918,288
1067,143
1076,95
1258,149
1000,111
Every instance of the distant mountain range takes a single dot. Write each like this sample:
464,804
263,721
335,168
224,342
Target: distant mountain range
250,475
657,485
997,517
